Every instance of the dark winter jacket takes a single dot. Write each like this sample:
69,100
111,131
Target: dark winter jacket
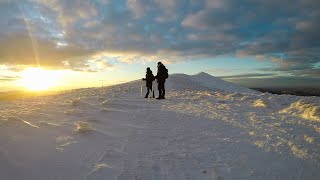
161,75
149,79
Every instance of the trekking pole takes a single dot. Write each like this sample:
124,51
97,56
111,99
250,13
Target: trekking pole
152,90
141,89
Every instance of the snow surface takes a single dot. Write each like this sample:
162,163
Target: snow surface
206,129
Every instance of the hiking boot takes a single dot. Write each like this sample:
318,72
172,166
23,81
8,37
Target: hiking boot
160,97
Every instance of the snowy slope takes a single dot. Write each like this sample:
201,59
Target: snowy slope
205,129
203,81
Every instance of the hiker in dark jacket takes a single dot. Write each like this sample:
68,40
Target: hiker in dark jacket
161,77
149,79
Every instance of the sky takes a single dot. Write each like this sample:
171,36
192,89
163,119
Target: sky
255,43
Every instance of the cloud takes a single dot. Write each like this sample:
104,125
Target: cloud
215,4
168,8
307,72
136,7
199,20
296,63
52,33
298,72
166,5
67,13
23,50
91,65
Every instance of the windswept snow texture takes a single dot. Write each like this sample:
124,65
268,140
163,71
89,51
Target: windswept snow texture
205,129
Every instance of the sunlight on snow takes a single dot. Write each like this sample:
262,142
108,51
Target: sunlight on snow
83,126
303,109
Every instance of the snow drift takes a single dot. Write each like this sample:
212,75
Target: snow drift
303,109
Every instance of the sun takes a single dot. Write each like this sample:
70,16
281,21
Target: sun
37,79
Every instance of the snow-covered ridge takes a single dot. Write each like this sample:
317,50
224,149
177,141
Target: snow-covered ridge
207,128
203,81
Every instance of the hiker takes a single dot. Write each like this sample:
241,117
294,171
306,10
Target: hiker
161,77
149,79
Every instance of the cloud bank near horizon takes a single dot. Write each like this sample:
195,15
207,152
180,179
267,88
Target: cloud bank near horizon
92,35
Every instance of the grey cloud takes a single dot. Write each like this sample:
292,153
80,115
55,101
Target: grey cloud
177,30
306,72
22,50
273,27
299,60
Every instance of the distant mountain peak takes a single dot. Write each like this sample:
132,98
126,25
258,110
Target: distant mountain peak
202,74
203,81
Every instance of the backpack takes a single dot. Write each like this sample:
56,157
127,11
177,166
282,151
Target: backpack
166,74
152,77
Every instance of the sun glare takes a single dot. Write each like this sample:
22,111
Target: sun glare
37,79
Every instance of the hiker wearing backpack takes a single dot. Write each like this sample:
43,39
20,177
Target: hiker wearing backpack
149,79
161,77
